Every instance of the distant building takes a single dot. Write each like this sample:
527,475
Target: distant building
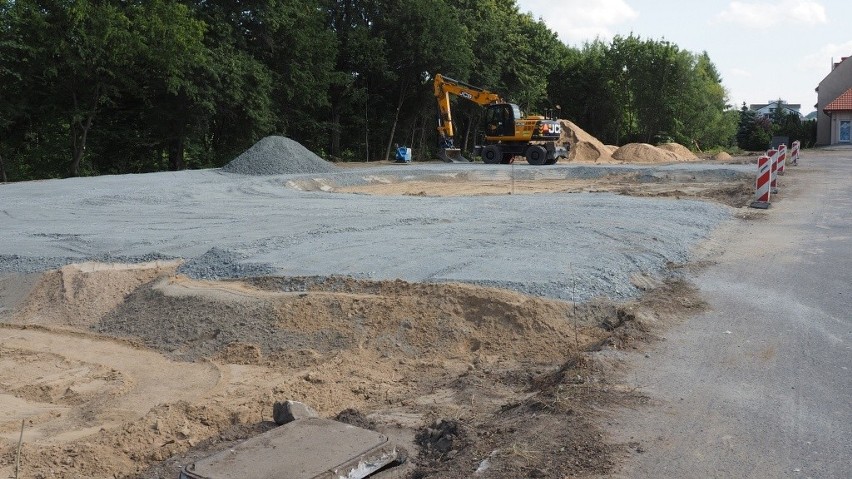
834,105
769,109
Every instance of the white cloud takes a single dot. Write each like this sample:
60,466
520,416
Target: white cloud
820,60
576,21
764,15
739,72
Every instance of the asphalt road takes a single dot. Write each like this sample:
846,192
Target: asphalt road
759,386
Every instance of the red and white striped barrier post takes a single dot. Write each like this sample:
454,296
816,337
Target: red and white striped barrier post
773,165
794,152
762,189
782,158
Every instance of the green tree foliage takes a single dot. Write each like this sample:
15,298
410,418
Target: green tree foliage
644,90
753,131
97,86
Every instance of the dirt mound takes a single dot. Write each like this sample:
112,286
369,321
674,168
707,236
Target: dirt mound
585,148
467,372
722,156
80,294
414,351
681,152
411,320
643,153
278,155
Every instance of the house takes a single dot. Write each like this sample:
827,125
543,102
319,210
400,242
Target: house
834,104
769,109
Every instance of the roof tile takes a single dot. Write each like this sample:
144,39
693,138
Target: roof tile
841,103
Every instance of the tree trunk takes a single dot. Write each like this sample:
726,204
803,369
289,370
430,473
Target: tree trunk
335,131
79,135
425,151
80,130
2,171
395,121
176,154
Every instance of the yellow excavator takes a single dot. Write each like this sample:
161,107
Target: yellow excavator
508,131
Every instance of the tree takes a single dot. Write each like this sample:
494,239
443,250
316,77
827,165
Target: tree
81,50
360,61
752,130
168,72
427,37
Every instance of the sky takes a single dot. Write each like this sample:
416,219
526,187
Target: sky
763,49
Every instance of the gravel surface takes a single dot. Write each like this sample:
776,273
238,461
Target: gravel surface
278,155
557,245
217,263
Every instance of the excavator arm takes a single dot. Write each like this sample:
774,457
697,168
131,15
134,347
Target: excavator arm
444,87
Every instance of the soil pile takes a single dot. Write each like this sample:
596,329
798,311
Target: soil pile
80,294
584,147
722,156
681,152
278,155
643,153
278,317
415,358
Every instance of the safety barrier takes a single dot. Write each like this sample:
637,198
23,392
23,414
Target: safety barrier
782,158
765,168
769,166
773,176
794,152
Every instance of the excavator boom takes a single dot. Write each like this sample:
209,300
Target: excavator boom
444,87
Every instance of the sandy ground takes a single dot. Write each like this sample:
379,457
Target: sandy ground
132,370
732,194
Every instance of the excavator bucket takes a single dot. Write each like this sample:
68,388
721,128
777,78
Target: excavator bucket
452,155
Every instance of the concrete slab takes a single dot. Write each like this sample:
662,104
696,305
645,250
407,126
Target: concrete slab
311,448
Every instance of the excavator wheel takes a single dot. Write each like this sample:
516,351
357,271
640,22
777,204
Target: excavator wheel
491,155
536,155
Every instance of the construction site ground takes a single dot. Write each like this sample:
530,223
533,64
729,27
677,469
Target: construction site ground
475,314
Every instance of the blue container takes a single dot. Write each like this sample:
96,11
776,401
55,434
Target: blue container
403,155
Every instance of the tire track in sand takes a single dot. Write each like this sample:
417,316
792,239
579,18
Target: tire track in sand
146,380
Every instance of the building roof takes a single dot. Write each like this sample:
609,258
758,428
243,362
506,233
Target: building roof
783,104
841,103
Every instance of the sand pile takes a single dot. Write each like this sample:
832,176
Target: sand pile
681,152
81,294
278,155
643,153
721,156
584,147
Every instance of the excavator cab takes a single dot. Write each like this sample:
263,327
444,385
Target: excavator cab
500,119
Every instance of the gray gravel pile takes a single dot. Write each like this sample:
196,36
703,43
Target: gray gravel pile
218,263
278,155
